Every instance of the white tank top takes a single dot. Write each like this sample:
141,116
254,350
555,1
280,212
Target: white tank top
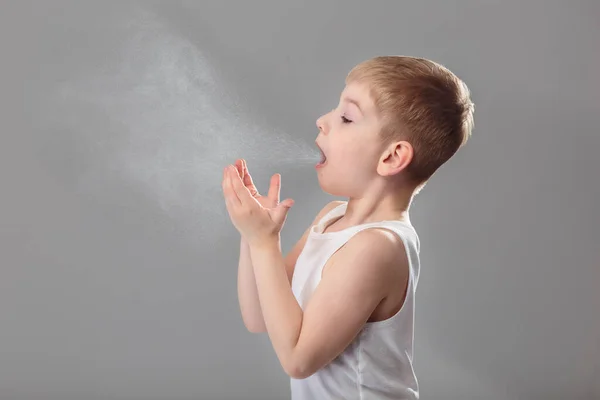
378,364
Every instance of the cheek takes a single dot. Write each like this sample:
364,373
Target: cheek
360,158
350,146
345,157
357,151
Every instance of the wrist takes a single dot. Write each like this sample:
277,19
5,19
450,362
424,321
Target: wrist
266,243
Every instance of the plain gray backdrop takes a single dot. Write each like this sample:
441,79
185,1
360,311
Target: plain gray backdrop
119,264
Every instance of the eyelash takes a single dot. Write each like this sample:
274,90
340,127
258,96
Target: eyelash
345,120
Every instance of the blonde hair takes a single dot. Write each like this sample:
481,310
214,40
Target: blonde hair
421,102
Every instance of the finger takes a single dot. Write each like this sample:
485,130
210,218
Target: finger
275,188
248,180
242,192
231,197
239,165
245,169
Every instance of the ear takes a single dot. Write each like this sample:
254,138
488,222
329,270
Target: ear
395,158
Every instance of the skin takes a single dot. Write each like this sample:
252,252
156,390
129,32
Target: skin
365,281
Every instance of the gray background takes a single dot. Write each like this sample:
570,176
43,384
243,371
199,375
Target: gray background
119,264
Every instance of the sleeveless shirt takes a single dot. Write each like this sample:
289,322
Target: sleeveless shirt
378,364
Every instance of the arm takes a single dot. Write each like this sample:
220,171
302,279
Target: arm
247,292
358,280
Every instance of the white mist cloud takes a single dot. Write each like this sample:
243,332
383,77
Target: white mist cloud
167,125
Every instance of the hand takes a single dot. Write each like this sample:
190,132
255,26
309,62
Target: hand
256,223
269,201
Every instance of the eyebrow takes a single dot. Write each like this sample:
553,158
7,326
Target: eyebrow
352,101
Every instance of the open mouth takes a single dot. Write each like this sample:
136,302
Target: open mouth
323,158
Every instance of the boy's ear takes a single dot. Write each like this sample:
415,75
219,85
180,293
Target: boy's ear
395,158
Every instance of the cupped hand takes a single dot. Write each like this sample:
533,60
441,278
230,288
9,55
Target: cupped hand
272,198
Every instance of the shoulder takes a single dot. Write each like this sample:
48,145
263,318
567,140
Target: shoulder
327,208
331,205
377,252
380,243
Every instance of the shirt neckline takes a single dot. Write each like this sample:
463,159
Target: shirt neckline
339,211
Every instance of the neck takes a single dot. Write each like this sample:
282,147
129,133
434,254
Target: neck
379,206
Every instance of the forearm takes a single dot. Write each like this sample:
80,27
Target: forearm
247,292
281,312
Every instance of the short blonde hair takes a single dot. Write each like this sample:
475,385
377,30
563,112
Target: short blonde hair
422,102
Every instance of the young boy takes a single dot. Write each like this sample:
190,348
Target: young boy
339,308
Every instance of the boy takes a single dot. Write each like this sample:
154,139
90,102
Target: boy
339,308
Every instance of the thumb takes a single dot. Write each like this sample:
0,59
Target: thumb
281,210
275,188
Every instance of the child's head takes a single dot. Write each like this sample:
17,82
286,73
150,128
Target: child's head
398,120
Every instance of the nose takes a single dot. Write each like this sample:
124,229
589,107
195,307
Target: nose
321,124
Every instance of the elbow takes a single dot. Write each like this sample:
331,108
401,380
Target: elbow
298,370
256,330
298,373
255,326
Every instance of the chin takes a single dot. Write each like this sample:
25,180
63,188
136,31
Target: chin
332,188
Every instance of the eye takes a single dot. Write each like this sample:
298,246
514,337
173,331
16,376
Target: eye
345,120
